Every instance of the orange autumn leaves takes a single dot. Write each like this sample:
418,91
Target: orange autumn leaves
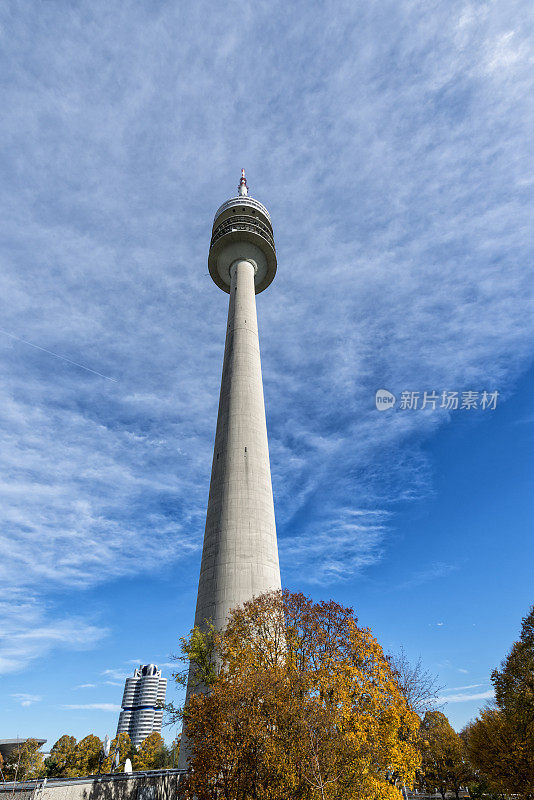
301,703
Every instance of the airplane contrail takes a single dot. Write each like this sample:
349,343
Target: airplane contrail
56,355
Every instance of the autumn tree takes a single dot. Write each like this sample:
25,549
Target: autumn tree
61,762
150,753
445,765
172,752
87,755
24,762
298,702
498,753
501,739
492,750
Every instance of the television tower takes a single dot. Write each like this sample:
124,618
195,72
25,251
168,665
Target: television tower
240,555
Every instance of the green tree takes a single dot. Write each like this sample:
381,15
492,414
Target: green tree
302,703
151,753
87,756
514,695
445,765
514,682
168,756
24,763
198,652
480,789
61,762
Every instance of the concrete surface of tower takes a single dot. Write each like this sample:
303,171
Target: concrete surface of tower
240,554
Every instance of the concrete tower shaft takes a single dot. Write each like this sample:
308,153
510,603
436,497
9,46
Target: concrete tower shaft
240,556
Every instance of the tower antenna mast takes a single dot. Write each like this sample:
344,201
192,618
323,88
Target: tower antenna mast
243,188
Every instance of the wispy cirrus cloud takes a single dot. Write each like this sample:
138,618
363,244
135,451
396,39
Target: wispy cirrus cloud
462,688
431,573
115,677
117,674
404,242
462,694
466,698
91,707
27,633
27,699
335,549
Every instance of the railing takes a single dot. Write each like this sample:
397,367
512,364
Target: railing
38,783
242,223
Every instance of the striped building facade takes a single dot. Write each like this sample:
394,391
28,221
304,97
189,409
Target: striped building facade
142,695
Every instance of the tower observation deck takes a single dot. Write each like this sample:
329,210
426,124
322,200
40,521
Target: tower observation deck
240,554
242,229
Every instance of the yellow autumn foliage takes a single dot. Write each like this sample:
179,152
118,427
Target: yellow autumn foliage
150,754
24,763
304,705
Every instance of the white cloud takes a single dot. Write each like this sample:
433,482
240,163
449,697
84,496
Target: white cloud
419,279
431,573
337,548
91,707
27,699
116,674
504,53
86,686
466,698
462,688
29,632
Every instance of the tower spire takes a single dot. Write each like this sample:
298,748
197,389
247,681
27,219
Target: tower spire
243,188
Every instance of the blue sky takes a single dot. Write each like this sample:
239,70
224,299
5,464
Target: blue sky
392,145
